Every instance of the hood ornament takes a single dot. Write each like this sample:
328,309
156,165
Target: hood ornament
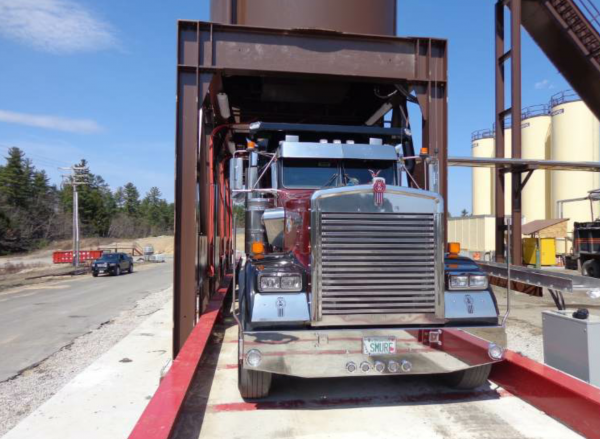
470,303
378,188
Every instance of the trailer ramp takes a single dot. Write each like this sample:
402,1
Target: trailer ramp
375,407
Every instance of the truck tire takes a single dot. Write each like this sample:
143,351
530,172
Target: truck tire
94,274
469,378
253,384
590,268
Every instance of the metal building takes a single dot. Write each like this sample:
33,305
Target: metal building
575,137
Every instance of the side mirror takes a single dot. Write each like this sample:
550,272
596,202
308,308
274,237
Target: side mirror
236,173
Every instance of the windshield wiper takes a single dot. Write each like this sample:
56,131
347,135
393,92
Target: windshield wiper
331,180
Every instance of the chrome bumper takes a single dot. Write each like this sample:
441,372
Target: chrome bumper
326,353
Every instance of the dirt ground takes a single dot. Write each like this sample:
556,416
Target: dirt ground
42,259
37,267
524,325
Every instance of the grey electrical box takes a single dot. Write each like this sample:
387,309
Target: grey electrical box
572,345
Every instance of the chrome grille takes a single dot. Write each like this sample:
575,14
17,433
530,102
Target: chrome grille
377,263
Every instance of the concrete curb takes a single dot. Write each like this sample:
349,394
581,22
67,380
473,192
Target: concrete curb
160,416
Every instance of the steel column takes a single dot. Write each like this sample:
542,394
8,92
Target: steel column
515,83
499,124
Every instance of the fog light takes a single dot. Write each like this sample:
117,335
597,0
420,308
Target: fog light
253,358
393,366
379,366
365,367
495,352
351,367
406,366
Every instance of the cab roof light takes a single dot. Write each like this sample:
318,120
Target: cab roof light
454,248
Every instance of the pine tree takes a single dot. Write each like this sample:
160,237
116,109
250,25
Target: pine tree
131,197
14,178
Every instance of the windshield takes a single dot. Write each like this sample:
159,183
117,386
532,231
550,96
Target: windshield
310,174
363,171
109,257
321,174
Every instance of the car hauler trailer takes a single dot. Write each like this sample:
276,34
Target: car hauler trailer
344,224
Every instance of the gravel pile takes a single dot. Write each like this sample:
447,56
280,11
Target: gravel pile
524,326
21,395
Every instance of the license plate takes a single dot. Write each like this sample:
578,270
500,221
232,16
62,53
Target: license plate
100,271
379,345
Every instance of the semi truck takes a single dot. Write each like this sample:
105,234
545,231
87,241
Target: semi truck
345,270
300,113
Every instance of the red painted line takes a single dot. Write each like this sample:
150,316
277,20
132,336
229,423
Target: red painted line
358,401
358,339
159,417
340,352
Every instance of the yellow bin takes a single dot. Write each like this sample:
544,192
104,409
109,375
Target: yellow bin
548,251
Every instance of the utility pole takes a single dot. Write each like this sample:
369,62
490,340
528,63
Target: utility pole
78,176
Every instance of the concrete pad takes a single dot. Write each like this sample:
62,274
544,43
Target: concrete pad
108,397
342,408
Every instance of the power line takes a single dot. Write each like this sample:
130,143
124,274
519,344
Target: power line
78,176
38,157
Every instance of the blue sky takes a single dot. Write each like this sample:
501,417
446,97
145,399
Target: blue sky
96,80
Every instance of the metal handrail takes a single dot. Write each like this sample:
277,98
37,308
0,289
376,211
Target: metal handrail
563,97
482,134
590,11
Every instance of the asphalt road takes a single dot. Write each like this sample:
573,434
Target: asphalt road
37,321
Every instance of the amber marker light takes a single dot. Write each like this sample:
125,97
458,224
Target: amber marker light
454,248
258,248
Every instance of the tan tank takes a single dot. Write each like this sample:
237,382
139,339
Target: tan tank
575,137
508,176
376,17
536,135
483,146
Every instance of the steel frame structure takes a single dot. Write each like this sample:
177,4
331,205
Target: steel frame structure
209,52
514,55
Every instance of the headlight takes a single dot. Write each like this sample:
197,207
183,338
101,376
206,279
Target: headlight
459,282
291,283
269,283
467,282
478,281
280,283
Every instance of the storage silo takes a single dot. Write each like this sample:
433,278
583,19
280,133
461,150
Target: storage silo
535,144
483,146
508,176
575,137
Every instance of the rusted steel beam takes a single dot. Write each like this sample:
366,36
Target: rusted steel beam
243,50
499,124
515,84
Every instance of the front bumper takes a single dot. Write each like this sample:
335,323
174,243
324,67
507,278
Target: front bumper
326,352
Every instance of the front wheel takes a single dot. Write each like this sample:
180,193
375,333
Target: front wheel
470,378
95,274
590,268
118,271
131,269
253,384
